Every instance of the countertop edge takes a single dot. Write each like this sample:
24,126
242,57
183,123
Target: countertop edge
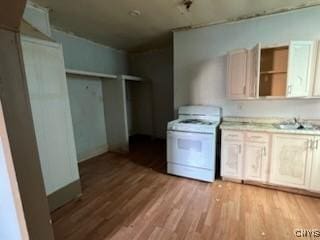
271,130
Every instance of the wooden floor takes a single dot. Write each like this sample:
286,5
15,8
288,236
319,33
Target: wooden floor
131,197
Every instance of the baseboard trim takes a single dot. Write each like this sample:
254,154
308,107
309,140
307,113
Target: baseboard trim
235,180
64,195
299,191
97,152
284,189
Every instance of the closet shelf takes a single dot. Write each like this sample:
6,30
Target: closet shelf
103,75
90,74
273,72
131,78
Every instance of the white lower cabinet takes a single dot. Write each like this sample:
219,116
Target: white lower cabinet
315,167
288,160
232,155
291,160
256,161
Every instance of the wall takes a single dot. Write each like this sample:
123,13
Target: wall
139,107
85,93
200,62
87,111
17,113
85,55
9,221
10,14
12,221
157,66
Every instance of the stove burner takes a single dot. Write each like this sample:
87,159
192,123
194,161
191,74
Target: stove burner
196,121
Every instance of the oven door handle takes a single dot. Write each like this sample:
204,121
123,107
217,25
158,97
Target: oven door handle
188,134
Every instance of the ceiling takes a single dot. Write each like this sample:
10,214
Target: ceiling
11,14
109,22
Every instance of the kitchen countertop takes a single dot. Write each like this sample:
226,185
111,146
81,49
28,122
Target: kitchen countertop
262,125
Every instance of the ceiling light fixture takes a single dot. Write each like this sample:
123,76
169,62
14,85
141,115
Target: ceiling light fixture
134,13
187,4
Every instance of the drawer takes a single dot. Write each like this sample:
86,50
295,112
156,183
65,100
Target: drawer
232,135
257,137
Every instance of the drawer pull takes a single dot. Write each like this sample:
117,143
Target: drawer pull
256,137
232,135
308,144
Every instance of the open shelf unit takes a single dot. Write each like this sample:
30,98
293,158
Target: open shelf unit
103,75
126,104
91,74
283,70
131,78
273,71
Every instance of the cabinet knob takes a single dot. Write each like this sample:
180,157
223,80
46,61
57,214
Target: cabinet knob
289,89
232,135
307,144
244,89
310,144
256,137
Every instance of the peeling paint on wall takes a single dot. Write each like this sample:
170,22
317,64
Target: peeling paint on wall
247,16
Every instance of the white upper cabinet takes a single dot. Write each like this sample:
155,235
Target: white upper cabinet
253,71
299,68
237,74
291,160
315,174
316,89
274,71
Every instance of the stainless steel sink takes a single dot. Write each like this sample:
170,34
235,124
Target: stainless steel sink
308,126
288,126
296,126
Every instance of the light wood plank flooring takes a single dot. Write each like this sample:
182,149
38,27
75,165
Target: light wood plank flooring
131,197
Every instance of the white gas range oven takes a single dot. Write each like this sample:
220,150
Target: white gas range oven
191,142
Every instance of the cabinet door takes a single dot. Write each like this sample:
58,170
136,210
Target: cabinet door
290,162
316,89
51,113
237,74
299,68
231,159
256,161
253,71
315,174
